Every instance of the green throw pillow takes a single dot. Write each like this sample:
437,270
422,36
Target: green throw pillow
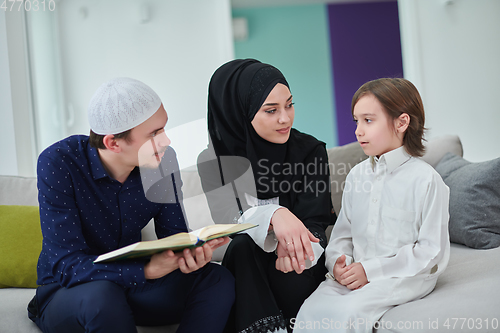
20,245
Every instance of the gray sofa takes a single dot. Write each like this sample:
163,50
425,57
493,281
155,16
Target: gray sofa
466,298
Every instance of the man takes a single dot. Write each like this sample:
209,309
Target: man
92,201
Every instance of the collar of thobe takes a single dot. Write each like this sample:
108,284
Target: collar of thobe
392,159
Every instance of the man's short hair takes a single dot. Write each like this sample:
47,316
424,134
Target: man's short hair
96,140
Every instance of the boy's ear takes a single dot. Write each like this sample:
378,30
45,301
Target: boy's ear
111,144
402,123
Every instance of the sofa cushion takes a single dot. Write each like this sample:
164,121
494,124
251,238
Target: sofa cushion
466,298
474,200
341,160
14,316
16,190
13,311
437,147
20,245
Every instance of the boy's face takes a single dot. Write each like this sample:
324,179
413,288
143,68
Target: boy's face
148,142
375,131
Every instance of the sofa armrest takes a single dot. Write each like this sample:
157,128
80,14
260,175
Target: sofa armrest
15,190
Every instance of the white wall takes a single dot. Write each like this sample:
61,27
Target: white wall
20,130
45,65
451,52
8,164
175,52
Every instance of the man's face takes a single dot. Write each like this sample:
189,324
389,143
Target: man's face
148,141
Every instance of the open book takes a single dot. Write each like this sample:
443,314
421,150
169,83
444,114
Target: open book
175,242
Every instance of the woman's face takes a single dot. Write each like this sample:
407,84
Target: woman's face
274,119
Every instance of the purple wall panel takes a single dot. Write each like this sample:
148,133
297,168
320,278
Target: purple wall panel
365,45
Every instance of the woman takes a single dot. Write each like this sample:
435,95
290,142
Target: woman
278,264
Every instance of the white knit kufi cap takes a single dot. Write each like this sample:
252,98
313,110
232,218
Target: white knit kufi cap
121,104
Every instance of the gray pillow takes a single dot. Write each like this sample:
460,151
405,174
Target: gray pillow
474,200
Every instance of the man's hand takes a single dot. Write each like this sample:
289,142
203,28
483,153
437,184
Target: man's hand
194,259
218,242
188,261
161,264
293,236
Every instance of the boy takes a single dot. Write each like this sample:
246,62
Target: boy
390,242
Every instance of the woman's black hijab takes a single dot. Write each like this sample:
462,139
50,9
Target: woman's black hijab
236,92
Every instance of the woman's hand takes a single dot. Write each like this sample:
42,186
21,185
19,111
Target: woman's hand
284,262
293,236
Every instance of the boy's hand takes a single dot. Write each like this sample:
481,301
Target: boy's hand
354,276
339,268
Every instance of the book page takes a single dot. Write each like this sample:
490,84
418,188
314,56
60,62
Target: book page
182,238
220,230
147,248
175,242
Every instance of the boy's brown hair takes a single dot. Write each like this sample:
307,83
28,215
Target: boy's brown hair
398,96
96,140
